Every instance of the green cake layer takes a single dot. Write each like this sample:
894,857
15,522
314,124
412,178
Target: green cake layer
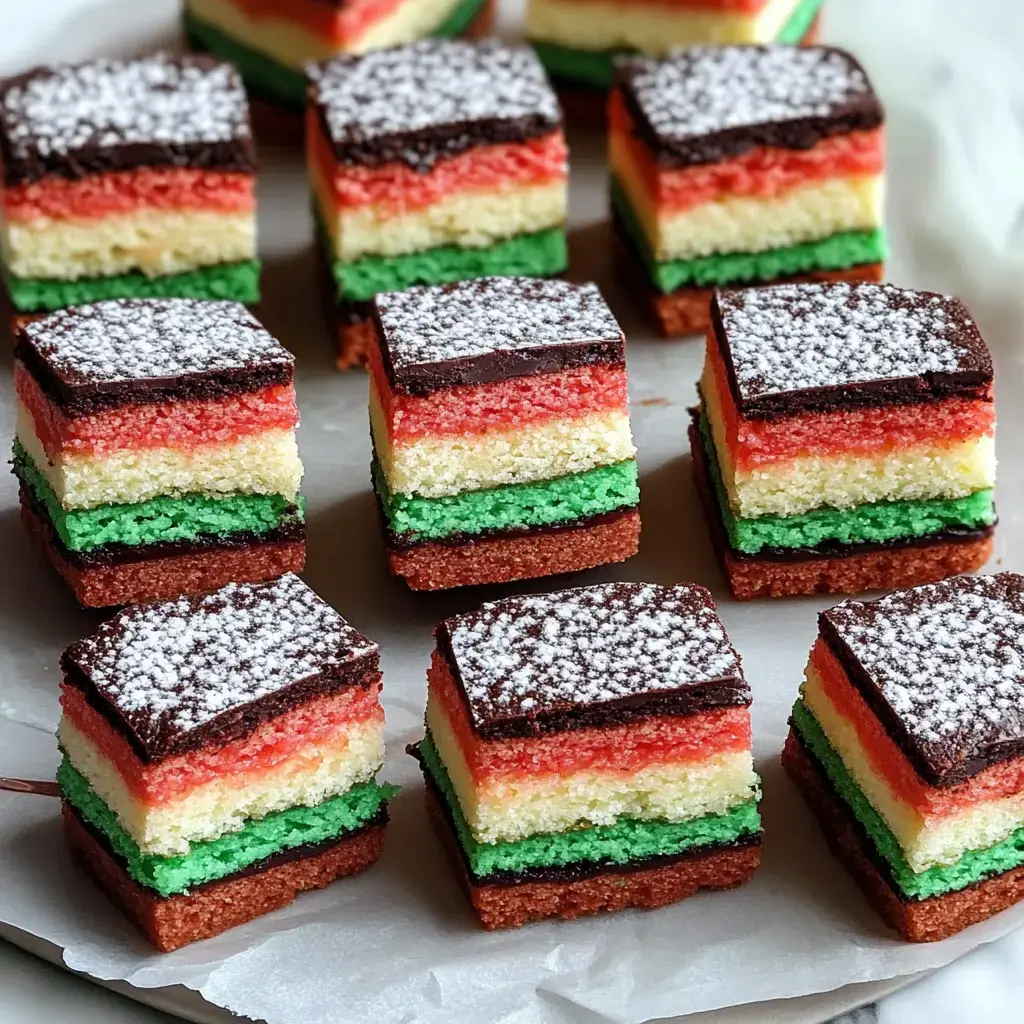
874,523
538,255
217,858
239,282
578,496
839,252
627,840
284,85
975,866
160,520
800,21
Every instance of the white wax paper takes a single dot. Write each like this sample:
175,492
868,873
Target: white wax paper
399,943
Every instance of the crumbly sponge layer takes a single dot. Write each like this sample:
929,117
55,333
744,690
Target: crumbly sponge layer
209,811
236,851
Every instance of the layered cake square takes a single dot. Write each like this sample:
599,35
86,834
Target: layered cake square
272,41
501,435
845,439
906,743
589,750
127,179
436,162
743,166
155,448
220,754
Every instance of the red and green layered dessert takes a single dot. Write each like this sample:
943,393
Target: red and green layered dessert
589,750
127,179
155,448
744,165
220,755
501,434
907,743
272,41
845,439
435,162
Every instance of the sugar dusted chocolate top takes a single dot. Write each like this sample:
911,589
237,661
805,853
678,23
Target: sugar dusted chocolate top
800,347
707,103
535,661
109,115
946,661
430,99
169,670
489,329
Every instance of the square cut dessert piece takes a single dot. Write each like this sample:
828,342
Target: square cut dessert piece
272,41
845,439
590,750
220,754
127,179
501,436
155,448
907,744
432,163
743,166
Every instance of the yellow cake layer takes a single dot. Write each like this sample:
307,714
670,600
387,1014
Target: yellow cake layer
508,810
265,463
291,44
307,777
434,467
844,481
752,223
940,842
155,242
652,27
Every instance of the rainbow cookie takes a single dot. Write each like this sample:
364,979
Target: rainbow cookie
845,439
906,743
589,750
502,444
744,165
127,179
436,162
220,755
155,448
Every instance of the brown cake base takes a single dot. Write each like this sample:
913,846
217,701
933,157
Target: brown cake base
550,552
170,922
161,578
927,920
866,567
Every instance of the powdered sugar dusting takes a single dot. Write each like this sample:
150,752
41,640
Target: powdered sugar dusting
948,658
475,318
179,664
708,89
139,339
795,337
528,655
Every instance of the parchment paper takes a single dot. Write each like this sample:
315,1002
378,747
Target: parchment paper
399,943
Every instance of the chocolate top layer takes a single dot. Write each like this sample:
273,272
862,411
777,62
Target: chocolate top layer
490,329
819,347
944,663
431,99
112,115
166,672
525,663
710,103
109,353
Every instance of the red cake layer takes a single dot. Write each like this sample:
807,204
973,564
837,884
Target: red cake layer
322,720
161,425
754,443
337,24
889,761
124,192
765,172
661,739
504,405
